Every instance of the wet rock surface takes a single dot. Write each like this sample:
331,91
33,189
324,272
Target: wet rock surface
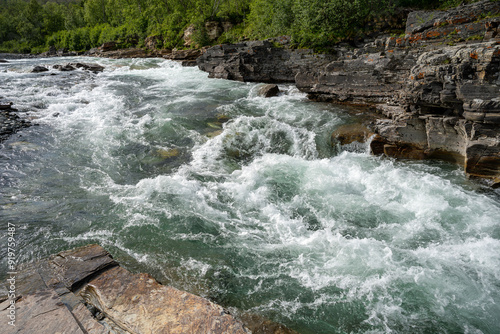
436,88
269,90
84,290
10,122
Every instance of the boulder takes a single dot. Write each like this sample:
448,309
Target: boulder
214,30
64,68
38,69
88,67
184,55
269,90
10,122
168,310
7,106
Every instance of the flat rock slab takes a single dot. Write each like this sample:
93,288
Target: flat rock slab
42,313
73,267
137,303
85,291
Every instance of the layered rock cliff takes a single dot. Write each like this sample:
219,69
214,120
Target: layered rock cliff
437,86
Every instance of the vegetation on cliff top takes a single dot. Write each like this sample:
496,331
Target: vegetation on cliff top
34,26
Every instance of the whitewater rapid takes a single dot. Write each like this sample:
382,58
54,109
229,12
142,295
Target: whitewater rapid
246,200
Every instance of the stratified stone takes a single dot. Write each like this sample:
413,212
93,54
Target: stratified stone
438,84
109,299
72,268
139,304
258,61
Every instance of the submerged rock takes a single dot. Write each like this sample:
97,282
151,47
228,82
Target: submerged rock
168,153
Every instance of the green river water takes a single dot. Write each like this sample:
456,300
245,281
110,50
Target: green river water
244,200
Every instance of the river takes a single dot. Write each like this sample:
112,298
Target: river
244,200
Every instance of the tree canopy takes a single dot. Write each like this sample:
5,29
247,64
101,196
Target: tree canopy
35,25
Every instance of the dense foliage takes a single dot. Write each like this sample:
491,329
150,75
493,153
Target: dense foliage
33,26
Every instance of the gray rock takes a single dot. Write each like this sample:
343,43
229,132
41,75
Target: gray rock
38,69
258,61
269,90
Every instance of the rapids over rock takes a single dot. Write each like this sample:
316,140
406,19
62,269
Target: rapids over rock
245,200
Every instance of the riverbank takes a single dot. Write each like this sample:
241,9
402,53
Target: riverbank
436,88
84,290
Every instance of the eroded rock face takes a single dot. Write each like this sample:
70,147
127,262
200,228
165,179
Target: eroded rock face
258,61
438,85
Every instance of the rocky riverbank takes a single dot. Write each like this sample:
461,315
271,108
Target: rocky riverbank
84,290
436,88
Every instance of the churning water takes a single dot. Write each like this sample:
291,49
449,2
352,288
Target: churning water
245,200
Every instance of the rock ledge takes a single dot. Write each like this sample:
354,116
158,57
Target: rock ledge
85,291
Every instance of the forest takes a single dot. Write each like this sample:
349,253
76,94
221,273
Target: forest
32,26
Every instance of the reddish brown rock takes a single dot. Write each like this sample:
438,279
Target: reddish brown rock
139,304
85,291
349,133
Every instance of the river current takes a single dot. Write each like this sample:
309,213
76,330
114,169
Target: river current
245,200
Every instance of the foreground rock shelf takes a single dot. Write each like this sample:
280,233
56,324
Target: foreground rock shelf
85,290
436,88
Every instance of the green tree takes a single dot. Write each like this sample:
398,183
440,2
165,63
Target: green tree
94,12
